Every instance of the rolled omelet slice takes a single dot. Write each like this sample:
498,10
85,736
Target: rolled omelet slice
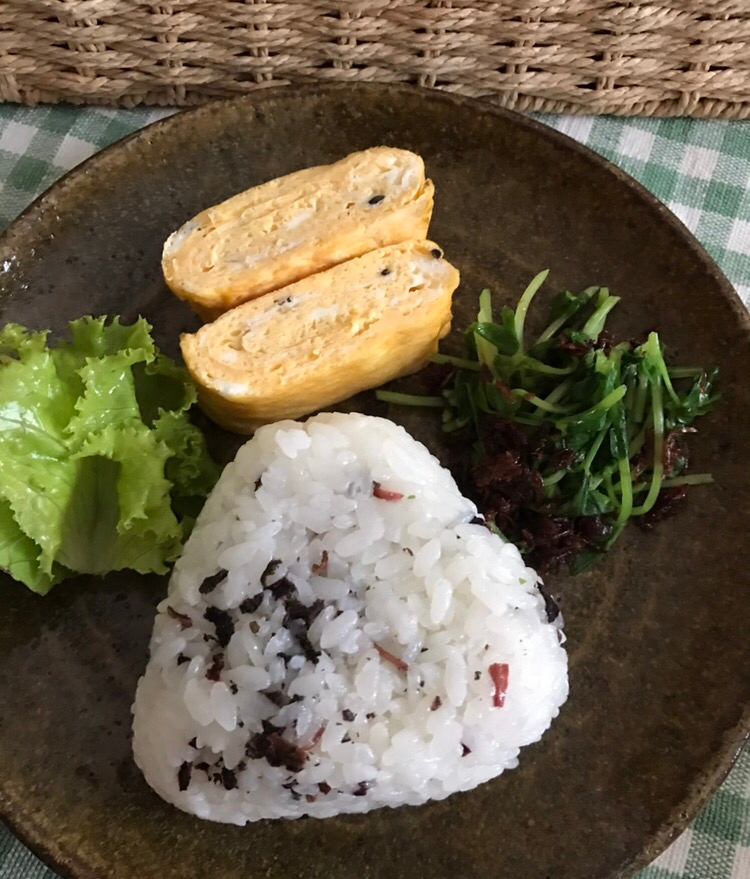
294,226
322,339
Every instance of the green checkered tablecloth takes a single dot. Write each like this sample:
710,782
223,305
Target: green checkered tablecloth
700,169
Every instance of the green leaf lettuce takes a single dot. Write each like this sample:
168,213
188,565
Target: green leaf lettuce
100,466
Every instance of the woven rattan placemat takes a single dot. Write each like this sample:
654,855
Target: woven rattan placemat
667,57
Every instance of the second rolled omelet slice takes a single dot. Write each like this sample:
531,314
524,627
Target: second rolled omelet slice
322,339
284,230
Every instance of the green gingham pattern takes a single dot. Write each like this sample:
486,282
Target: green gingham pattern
700,169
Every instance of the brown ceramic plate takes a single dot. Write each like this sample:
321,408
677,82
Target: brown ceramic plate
657,634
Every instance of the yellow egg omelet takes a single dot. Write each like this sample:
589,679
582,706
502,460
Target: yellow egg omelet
324,338
281,231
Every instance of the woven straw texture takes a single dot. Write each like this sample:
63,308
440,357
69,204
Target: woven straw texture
664,57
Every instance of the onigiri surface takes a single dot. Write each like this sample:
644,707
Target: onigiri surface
341,633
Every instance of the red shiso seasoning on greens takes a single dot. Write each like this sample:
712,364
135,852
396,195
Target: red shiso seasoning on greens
564,438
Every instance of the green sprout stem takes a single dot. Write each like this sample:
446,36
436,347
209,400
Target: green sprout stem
692,479
554,478
486,351
459,362
544,405
554,328
537,366
410,399
595,446
657,411
626,492
521,310
595,324
607,403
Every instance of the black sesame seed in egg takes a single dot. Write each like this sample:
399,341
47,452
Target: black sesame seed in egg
376,199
